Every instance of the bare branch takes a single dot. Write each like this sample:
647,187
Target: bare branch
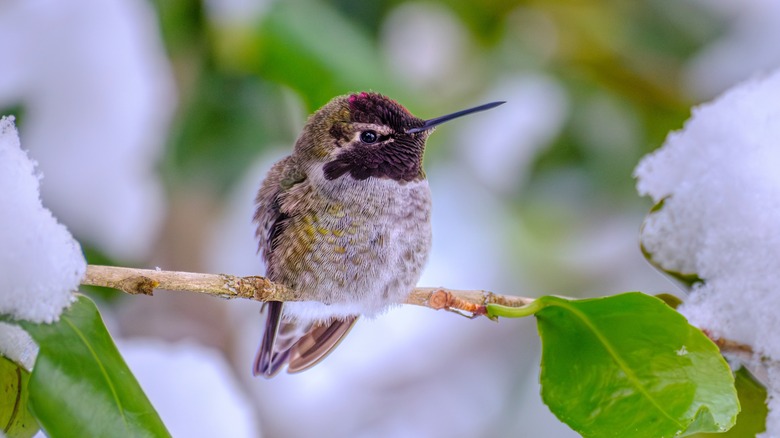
145,281
469,303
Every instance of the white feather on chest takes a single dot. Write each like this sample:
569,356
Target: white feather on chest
383,243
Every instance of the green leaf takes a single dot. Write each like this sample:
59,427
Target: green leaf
81,386
16,421
628,365
752,419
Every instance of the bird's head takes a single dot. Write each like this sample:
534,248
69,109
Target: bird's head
366,135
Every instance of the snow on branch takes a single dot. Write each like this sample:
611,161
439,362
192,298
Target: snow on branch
717,185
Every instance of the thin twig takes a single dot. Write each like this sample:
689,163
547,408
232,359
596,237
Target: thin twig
466,302
735,349
145,281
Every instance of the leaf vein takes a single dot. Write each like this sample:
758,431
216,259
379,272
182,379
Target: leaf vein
103,371
619,360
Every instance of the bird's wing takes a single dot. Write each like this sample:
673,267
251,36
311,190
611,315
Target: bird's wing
318,341
299,344
271,221
270,216
266,357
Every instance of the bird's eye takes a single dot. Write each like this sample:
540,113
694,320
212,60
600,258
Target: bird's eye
368,137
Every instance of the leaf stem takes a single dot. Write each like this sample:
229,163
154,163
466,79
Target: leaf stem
496,310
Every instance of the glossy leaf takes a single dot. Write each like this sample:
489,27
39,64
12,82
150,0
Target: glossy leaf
16,421
81,386
628,365
751,421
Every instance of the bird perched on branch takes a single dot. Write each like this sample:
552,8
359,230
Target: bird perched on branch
346,218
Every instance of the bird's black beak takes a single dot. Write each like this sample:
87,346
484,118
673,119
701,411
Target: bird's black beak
430,123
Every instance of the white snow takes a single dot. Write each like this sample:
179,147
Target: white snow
40,262
17,345
720,178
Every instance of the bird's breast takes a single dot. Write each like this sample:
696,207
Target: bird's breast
363,246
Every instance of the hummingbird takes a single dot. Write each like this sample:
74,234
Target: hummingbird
345,218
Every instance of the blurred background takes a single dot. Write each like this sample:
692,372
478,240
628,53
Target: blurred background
153,123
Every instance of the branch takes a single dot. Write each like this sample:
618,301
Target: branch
469,303
736,350
145,281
